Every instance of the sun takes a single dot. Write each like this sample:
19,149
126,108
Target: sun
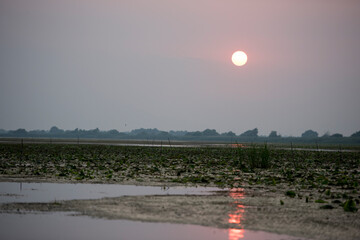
239,58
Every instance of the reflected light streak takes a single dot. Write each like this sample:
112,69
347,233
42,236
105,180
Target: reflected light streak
237,145
236,234
235,216
236,193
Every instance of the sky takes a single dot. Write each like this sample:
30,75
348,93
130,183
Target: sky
127,64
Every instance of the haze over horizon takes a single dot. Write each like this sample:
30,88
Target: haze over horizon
167,64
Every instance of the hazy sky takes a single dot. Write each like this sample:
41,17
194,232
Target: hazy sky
126,64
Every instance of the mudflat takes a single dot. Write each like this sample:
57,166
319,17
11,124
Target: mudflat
300,193
253,209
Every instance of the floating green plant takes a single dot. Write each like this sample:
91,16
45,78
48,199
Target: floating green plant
350,206
327,192
291,194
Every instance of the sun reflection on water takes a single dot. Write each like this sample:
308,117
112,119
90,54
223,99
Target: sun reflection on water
235,234
236,216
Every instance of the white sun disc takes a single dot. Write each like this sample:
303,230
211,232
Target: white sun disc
239,58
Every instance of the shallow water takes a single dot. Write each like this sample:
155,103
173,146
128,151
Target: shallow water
319,149
63,226
48,192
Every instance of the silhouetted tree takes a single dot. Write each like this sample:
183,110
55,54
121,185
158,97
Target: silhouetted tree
113,132
56,130
250,133
148,131
19,132
163,135
327,134
229,134
37,133
274,134
95,131
194,134
337,135
357,134
178,133
309,134
210,132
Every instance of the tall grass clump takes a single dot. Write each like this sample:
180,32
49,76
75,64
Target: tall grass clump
253,157
240,157
265,157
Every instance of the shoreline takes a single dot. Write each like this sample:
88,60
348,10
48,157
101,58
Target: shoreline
253,208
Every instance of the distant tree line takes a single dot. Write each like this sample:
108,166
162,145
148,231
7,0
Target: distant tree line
206,135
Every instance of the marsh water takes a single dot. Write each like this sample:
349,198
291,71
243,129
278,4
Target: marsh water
59,225
47,192
64,226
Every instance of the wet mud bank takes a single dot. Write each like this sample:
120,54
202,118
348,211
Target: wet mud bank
253,209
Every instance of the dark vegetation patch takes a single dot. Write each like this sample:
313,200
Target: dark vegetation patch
327,206
350,206
332,175
291,194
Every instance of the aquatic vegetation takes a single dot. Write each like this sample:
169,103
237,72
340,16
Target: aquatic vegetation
291,194
324,179
327,192
350,206
218,166
265,157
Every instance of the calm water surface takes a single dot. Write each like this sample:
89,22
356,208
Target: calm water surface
48,192
41,226
63,226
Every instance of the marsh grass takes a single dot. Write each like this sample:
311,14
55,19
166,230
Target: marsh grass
334,176
265,157
240,156
253,157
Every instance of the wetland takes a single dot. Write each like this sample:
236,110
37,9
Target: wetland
306,194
